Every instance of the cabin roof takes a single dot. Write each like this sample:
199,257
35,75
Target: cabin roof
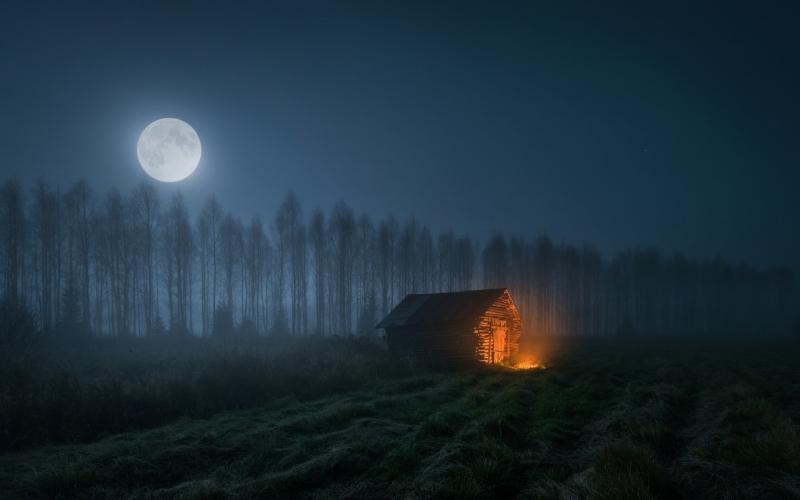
418,309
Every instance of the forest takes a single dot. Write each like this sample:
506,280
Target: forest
133,264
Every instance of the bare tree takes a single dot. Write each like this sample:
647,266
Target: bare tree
366,301
253,278
319,251
208,234
177,258
291,248
445,270
342,228
231,250
47,231
407,247
146,205
116,254
12,225
495,262
387,242
425,267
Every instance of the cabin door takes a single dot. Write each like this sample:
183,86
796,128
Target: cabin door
499,335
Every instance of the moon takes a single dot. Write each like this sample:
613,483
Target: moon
169,150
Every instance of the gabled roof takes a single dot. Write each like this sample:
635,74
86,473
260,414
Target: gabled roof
438,308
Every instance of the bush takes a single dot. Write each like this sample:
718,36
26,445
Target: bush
81,389
18,333
157,329
247,329
71,324
626,329
222,326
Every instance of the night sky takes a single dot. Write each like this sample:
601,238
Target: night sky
619,126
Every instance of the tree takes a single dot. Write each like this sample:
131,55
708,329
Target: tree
146,205
47,258
407,247
387,241
465,263
116,241
223,322
367,316
342,229
543,270
425,267
247,329
495,262
365,302
231,239
208,234
177,261
626,329
12,226
253,276
797,327
70,324
291,247
18,333
319,251
446,268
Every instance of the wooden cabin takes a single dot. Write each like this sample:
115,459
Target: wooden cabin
456,327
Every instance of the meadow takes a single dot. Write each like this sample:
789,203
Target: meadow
339,418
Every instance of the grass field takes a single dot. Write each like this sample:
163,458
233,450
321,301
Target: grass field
603,420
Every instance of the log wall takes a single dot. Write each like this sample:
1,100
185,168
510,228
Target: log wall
503,309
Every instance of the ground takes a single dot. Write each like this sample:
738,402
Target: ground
603,420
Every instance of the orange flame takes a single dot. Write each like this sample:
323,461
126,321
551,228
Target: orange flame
529,364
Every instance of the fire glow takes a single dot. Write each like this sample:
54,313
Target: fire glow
529,364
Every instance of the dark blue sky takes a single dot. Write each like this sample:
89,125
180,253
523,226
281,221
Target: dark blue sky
632,125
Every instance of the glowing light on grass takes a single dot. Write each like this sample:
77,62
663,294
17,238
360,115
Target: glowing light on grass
529,364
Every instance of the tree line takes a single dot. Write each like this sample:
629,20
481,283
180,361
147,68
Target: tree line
134,264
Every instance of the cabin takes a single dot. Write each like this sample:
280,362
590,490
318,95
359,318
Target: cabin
455,327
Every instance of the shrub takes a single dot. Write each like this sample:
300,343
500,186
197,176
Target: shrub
223,322
18,332
626,329
80,390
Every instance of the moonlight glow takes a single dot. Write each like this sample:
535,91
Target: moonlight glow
169,150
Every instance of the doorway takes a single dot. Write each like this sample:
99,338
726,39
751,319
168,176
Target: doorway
499,340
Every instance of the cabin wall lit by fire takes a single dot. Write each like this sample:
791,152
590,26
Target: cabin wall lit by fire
477,325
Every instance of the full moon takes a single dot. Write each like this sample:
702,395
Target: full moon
169,150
